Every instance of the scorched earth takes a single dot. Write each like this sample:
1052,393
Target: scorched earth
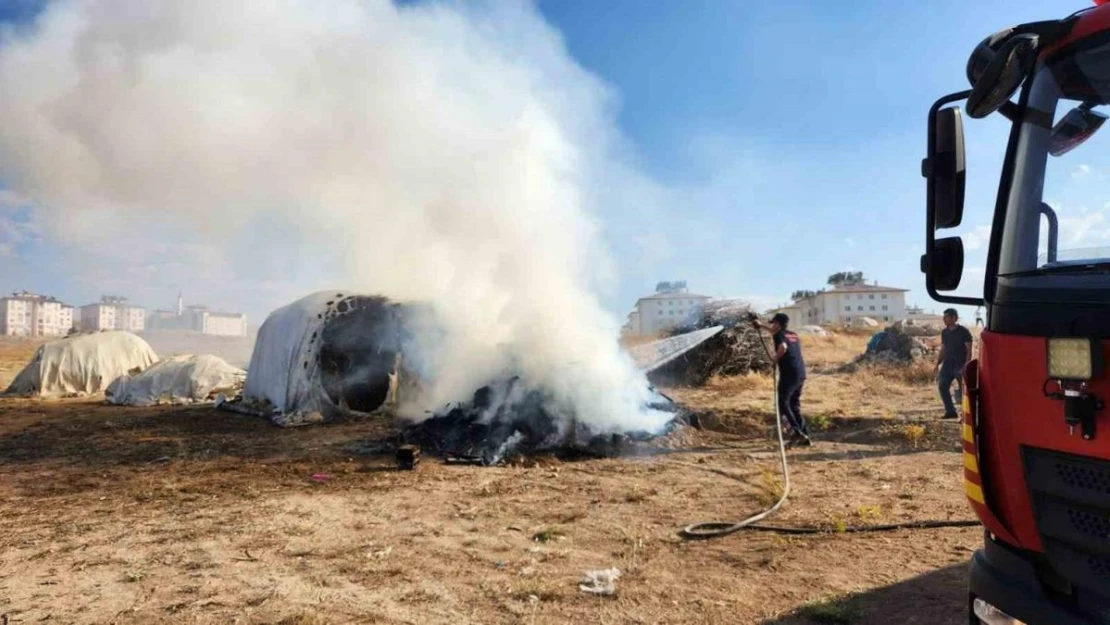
171,514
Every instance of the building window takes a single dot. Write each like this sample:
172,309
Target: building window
884,306
872,296
848,308
847,318
861,307
886,318
884,295
872,308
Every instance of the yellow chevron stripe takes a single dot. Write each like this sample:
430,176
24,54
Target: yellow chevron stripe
970,463
969,433
974,492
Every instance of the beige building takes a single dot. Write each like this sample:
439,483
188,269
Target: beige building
222,324
113,313
844,304
671,306
791,310
919,316
199,319
28,314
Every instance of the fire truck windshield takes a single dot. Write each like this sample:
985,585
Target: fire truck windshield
1057,225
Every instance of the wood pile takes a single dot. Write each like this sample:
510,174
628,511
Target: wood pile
736,350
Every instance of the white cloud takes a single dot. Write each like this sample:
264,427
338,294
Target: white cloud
1089,227
977,238
1081,171
850,242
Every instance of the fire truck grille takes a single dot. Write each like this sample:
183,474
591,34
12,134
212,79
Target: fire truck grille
1084,477
1100,566
1071,502
1092,525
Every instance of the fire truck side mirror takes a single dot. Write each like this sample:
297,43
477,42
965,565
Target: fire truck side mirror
944,169
946,264
1002,76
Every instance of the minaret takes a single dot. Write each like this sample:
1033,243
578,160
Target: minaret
180,305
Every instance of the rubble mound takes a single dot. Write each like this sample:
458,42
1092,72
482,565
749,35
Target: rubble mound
505,419
892,345
736,350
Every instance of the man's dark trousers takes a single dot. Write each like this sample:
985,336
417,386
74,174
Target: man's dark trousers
790,404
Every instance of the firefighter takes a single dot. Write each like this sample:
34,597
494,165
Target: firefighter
792,376
955,353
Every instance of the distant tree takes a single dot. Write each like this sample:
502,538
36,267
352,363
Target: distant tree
846,277
804,294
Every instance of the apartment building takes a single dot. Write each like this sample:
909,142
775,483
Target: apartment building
113,312
24,313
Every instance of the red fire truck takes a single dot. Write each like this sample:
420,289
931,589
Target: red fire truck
1036,434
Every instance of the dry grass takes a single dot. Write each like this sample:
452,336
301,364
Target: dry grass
834,349
740,383
18,352
743,404
770,487
918,373
913,433
191,515
836,611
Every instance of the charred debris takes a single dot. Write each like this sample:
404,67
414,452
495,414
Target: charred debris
507,420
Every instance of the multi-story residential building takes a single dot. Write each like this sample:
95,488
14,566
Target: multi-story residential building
28,314
671,305
113,313
845,303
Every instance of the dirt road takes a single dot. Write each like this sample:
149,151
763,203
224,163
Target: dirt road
164,515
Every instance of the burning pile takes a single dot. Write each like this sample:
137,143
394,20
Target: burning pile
736,350
506,419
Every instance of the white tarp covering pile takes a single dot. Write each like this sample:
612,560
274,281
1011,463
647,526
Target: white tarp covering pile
180,379
82,365
326,354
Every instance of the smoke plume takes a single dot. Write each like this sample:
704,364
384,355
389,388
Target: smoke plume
440,152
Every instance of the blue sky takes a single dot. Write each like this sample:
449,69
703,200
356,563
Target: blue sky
786,136
823,104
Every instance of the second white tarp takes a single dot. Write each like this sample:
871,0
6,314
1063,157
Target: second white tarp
183,379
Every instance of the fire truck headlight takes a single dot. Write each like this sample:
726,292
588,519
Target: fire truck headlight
1073,359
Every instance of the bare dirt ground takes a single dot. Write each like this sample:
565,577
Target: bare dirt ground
168,514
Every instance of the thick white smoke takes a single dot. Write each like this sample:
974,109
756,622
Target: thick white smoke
438,152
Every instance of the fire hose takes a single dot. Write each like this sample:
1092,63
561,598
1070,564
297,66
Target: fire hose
716,529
